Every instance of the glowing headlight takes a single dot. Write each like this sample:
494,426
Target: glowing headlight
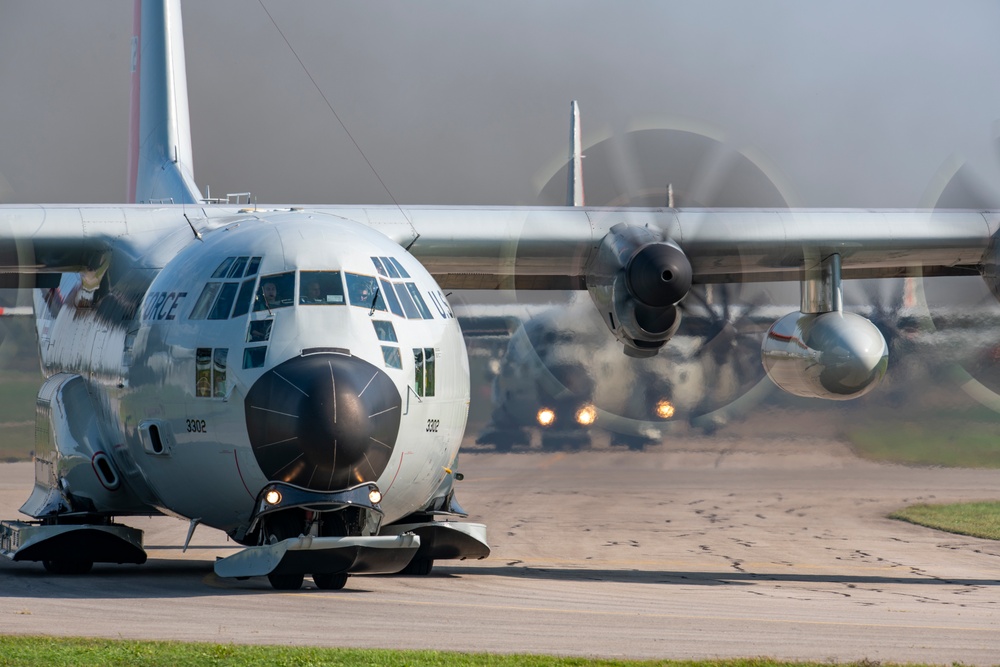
375,496
586,415
546,416
664,409
272,497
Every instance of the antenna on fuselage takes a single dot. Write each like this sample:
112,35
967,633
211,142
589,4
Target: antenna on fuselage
343,126
197,234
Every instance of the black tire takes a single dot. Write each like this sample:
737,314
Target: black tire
67,566
419,567
330,582
285,582
570,442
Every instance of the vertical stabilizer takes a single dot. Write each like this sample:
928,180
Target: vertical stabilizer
160,165
574,193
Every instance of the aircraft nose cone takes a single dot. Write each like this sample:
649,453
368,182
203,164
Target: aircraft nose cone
323,421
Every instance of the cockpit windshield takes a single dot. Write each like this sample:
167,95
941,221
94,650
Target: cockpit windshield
364,292
321,288
275,291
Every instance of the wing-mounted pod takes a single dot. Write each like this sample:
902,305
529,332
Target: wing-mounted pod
821,351
636,280
990,266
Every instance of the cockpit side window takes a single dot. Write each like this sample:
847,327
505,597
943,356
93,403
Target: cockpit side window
390,269
363,291
243,300
390,296
276,291
224,304
224,267
253,266
321,287
425,312
392,261
407,302
205,301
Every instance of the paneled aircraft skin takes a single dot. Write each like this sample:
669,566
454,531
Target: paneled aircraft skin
294,376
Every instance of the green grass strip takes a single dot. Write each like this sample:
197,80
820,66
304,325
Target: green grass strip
26,650
981,519
961,445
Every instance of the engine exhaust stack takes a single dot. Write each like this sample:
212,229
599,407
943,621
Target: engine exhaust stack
636,280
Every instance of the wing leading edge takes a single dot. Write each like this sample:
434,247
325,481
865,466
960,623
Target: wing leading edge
550,247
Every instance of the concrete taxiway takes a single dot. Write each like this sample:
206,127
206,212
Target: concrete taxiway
700,547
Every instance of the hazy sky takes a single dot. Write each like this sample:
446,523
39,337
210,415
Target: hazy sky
458,102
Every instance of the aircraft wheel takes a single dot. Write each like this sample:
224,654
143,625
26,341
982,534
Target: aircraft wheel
67,566
330,582
634,443
285,582
419,567
571,442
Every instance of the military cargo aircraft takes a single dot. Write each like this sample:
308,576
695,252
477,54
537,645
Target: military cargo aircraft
294,375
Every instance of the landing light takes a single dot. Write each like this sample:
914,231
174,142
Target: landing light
586,415
375,496
546,416
272,497
664,409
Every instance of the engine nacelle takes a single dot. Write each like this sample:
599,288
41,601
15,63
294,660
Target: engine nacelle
636,280
835,355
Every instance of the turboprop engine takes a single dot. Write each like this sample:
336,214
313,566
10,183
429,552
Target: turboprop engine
636,280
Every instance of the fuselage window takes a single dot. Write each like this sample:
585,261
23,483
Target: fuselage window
224,267
127,350
203,372
385,331
224,304
243,300
392,357
425,312
423,371
219,372
276,291
210,372
321,287
390,297
253,357
378,266
404,298
363,292
259,330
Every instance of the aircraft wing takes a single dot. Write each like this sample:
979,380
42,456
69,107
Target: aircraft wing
545,247
551,248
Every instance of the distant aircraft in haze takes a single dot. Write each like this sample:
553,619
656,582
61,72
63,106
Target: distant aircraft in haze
296,377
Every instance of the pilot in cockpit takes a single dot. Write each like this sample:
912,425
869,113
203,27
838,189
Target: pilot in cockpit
311,293
270,293
362,290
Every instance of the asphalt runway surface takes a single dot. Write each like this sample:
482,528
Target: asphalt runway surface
698,548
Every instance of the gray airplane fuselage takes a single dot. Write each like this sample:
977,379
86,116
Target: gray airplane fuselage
207,384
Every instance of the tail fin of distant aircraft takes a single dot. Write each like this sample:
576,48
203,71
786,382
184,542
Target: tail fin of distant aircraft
574,193
160,164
